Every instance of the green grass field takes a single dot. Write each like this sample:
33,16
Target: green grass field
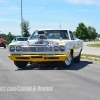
89,55
94,41
94,45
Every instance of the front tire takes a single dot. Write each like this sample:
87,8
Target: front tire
20,64
69,61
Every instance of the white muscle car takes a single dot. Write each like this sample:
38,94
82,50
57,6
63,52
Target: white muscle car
47,46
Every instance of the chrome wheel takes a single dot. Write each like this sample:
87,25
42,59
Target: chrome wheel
69,60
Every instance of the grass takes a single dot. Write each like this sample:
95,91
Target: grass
6,45
94,41
91,40
89,55
94,45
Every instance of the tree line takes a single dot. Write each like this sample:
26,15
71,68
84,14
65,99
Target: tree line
81,32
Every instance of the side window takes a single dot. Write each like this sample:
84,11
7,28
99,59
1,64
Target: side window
64,34
74,37
71,35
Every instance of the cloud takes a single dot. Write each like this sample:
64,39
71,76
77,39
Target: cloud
50,25
11,8
3,1
96,2
9,20
13,29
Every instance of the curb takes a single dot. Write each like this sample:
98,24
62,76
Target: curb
90,58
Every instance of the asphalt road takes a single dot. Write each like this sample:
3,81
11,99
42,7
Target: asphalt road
80,82
90,50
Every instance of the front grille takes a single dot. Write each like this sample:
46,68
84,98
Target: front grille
37,49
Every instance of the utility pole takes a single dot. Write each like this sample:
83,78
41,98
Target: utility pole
21,17
60,25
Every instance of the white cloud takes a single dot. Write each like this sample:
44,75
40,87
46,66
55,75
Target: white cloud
50,25
13,29
10,20
96,2
10,9
3,1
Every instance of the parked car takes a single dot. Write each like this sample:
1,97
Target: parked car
19,39
49,47
2,42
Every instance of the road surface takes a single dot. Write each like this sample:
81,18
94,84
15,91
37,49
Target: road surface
90,50
80,82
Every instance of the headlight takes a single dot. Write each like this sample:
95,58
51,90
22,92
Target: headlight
18,48
12,48
56,48
62,48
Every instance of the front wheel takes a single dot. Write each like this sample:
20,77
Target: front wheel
20,64
69,61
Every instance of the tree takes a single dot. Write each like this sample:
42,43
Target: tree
25,28
81,31
99,35
92,32
9,37
3,35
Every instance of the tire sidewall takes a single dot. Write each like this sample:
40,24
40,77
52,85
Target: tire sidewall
69,65
20,64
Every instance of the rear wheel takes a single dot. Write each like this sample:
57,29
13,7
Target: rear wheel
20,64
69,61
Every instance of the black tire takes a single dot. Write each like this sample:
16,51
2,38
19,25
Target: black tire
77,59
69,61
4,46
20,64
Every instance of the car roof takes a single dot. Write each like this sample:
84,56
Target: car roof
21,37
51,29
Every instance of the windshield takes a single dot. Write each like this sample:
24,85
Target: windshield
22,39
52,34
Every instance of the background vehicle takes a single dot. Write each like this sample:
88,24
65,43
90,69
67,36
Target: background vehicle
2,42
48,47
19,39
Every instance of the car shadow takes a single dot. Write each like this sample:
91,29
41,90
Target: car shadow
80,65
75,66
29,67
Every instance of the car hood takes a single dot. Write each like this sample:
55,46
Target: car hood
40,42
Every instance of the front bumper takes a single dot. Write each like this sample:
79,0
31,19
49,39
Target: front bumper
38,58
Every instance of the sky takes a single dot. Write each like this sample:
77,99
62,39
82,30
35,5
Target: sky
48,14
